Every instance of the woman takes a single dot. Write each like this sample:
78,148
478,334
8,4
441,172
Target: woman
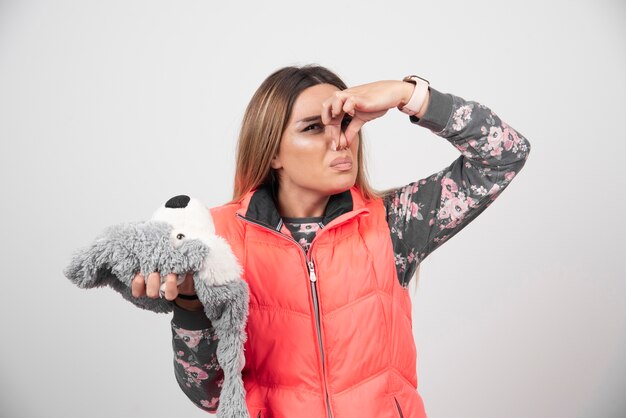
326,257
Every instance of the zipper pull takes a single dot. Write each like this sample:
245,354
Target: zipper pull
312,275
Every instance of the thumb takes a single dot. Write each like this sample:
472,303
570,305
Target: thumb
187,286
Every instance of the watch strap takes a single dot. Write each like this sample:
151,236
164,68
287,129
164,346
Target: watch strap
418,97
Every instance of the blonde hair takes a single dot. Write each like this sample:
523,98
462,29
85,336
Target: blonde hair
265,121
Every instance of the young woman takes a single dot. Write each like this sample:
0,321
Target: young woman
326,257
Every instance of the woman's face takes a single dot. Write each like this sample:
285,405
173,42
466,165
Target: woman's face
306,161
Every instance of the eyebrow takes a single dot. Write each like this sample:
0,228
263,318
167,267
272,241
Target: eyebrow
310,119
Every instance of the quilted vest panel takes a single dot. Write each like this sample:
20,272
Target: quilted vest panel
329,334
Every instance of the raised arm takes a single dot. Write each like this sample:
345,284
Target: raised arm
425,214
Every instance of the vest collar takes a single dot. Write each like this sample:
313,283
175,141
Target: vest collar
259,206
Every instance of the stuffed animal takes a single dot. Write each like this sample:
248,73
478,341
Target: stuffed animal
179,238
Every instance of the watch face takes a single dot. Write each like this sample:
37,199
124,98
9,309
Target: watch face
412,79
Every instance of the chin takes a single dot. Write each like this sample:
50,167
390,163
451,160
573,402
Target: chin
341,187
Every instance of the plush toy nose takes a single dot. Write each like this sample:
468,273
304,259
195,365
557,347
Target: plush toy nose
178,202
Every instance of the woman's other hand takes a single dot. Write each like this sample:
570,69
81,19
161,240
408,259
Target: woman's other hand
151,286
365,103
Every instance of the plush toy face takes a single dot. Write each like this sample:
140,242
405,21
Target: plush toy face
191,224
189,218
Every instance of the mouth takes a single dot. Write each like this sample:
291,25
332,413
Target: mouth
342,163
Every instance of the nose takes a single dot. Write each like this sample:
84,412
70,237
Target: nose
335,137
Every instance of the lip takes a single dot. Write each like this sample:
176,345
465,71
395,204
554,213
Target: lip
342,163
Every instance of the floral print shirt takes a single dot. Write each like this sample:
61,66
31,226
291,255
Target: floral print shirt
421,215
195,364
303,230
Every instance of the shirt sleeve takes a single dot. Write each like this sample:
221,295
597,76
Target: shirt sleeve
195,361
424,214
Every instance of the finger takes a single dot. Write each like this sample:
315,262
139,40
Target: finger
153,284
138,285
171,289
353,129
326,109
349,106
337,107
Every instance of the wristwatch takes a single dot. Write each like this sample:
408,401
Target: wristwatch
419,94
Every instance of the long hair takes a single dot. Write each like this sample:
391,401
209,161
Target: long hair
265,120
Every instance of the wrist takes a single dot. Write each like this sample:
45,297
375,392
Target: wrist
419,95
407,89
189,305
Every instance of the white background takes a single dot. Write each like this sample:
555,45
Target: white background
108,108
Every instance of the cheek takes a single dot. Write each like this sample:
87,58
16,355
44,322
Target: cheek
354,150
299,149
307,143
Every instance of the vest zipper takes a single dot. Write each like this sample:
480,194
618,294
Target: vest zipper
313,280
318,327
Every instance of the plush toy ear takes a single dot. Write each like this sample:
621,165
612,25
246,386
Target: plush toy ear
109,257
178,202
114,258
227,308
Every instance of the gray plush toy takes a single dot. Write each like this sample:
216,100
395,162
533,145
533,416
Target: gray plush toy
179,238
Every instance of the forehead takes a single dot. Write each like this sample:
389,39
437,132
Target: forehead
309,102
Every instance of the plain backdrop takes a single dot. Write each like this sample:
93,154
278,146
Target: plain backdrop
108,108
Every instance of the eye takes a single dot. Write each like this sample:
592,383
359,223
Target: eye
180,236
313,127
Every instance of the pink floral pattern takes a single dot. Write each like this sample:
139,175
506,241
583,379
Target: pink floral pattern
195,366
425,214
461,116
210,404
191,338
303,230
193,374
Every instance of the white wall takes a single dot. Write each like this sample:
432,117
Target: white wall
108,108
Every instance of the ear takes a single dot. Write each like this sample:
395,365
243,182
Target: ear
276,164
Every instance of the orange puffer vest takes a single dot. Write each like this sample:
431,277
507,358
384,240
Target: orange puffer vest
329,334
